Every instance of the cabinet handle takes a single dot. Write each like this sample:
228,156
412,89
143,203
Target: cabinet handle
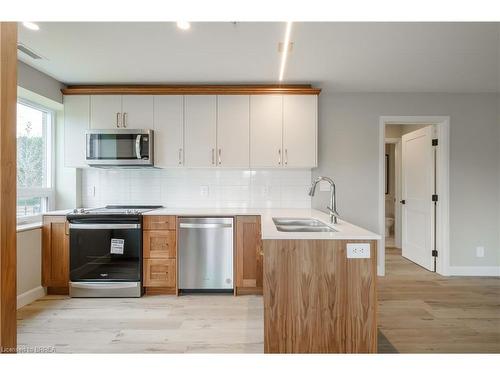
117,119
180,156
286,156
279,156
213,156
220,156
124,119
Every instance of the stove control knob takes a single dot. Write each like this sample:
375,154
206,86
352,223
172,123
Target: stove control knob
75,211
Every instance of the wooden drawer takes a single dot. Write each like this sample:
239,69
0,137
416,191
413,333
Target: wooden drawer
159,272
159,244
159,222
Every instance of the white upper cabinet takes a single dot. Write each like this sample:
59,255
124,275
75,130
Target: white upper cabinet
105,111
300,126
137,111
76,122
266,127
233,126
169,131
200,124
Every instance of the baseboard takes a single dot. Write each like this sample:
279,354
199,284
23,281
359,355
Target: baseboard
30,296
473,271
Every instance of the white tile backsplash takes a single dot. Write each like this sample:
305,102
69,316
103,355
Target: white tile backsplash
197,188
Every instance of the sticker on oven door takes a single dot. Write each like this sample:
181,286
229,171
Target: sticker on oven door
117,245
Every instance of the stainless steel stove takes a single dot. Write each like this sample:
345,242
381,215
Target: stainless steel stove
106,251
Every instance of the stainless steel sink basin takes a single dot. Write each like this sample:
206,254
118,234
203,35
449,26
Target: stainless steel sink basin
298,222
300,225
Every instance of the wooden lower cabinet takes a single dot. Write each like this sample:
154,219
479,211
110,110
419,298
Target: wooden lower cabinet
249,263
160,254
55,254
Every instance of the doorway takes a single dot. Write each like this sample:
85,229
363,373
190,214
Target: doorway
414,159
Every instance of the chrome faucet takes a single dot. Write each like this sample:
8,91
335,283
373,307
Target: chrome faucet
332,209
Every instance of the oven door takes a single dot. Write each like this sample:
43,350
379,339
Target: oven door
105,252
119,147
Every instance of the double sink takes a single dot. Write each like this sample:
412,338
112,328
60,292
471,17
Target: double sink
301,225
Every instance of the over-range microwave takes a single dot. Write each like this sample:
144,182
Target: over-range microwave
119,148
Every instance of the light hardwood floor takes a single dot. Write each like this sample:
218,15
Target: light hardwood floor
418,312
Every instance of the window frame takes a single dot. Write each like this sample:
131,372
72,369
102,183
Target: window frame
46,193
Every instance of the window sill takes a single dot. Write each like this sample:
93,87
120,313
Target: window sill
29,226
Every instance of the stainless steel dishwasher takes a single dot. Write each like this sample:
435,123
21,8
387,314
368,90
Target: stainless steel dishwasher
206,254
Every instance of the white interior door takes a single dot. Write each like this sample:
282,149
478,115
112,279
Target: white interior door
417,189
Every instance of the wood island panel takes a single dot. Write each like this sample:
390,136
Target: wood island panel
316,300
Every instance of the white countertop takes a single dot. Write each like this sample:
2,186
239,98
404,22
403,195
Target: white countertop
344,230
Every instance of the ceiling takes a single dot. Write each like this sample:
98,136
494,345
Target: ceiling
340,57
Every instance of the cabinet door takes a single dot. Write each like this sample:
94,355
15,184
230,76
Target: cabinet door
105,111
169,131
300,125
76,122
137,111
55,252
233,138
249,265
200,130
159,244
266,125
160,273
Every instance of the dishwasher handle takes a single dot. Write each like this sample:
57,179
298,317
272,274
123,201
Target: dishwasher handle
205,226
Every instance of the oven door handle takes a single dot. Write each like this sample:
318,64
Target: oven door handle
104,226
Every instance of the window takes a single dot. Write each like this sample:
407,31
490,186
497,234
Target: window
35,192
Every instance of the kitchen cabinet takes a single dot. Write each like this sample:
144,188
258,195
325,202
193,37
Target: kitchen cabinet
233,126
300,131
200,126
55,254
76,123
137,111
249,264
160,254
266,128
169,131
283,131
121,111
105,111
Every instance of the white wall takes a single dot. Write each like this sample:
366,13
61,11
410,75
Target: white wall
29,268
348,152
182,188
38,82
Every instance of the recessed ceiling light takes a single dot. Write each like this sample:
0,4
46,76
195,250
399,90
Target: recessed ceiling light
31,26
183,25
286,49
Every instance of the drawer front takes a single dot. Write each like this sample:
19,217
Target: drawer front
160,272
159,244
159,222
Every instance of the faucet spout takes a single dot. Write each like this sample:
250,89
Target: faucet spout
332,208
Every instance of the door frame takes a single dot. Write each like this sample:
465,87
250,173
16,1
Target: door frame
397,188
442,124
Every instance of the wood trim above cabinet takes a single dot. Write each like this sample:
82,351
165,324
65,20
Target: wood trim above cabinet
190,90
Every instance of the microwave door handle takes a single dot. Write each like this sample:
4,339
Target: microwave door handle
138,146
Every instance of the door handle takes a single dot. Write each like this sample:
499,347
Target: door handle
180,156
286,156
279,156
220,156
213,156
138,146
117,119
403,201
124,119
